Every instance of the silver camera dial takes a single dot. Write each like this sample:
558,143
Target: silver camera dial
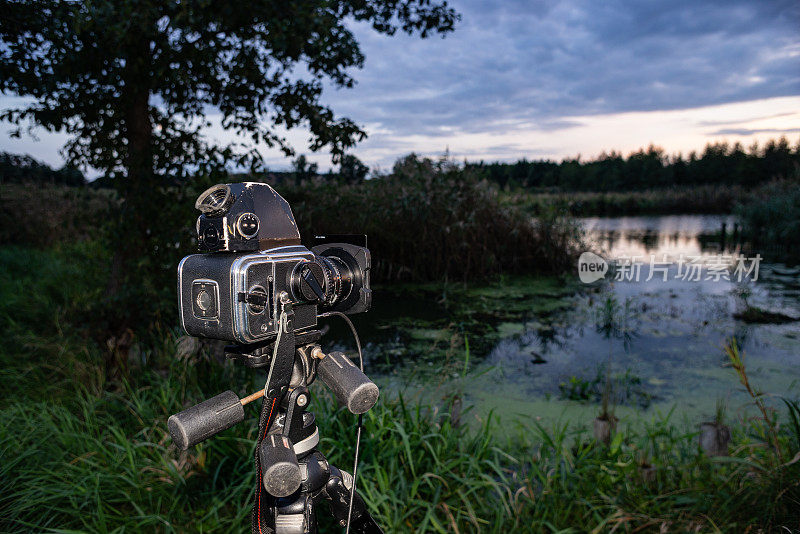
247,225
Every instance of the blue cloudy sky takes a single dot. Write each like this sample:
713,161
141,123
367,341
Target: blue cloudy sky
552,79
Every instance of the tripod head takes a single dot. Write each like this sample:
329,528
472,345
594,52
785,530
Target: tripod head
349,385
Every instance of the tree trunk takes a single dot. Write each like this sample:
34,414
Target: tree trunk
133,186
131,234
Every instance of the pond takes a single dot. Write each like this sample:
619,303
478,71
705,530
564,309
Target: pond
657,337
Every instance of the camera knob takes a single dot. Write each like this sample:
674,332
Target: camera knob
309,282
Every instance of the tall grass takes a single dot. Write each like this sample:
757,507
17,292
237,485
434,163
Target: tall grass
771,219
426,221
105,463
664,201
434,221
49,215
78,453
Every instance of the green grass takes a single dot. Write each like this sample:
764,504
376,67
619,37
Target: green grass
105,464
81,453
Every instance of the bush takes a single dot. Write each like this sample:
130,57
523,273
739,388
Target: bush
435,221
50,215
701,199
426,221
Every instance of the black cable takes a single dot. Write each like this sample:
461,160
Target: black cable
360,416
352,329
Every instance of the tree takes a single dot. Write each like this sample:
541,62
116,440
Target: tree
303,170
133,82
17,168
352,170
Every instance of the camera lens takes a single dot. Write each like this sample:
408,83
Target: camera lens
338,278
308,282
326,280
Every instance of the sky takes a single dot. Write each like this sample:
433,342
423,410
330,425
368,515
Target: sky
555,79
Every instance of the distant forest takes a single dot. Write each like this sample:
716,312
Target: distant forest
719,163
651,168
17,168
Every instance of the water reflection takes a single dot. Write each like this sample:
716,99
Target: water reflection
672,350
667,236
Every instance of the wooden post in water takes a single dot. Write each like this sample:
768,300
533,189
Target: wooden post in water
724,236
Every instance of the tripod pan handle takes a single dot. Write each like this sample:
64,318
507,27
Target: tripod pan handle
351,387
281,471
203,420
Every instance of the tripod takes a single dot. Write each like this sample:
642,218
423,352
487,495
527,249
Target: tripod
293,477
293,432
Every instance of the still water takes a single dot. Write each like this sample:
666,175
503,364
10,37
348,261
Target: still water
660,338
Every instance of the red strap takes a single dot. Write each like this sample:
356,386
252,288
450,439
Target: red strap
258,488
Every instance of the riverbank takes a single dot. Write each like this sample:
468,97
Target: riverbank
96,455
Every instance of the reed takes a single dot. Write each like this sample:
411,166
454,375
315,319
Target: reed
702,199
434,221
770,219
426,221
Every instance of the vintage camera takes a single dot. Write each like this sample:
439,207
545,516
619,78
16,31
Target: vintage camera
253,256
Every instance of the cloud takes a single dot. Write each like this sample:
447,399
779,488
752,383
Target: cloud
750,119
537,62
752,131
520,70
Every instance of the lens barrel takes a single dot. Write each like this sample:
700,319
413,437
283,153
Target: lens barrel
338,279
326,281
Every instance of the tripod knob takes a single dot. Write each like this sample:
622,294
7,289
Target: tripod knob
351,387
279,467
203,420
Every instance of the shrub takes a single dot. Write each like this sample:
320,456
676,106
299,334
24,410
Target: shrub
433,221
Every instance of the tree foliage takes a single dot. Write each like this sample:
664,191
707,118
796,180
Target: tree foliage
352,170
105,71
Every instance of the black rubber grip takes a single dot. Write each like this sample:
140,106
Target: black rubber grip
281,472
203,420
348,383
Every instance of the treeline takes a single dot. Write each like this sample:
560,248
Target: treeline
24,169
21,168
651,168
720,164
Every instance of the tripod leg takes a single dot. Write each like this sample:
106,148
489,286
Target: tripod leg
281,516
337,490
298,517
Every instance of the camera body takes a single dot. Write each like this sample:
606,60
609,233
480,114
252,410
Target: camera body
253,258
